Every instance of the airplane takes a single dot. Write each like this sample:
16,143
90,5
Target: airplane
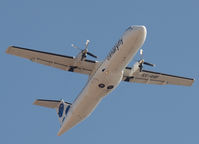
103,76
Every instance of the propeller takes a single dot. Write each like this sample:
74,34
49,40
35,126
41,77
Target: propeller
142,62
149,64
92,55
85,51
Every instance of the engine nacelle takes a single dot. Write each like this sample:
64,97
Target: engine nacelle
135,68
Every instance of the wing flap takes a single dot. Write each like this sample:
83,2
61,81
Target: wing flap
63,62
150,77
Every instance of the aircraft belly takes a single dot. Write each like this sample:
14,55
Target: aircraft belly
83,106
89,98
92,94
106,78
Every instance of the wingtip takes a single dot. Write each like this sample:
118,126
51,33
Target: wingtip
8,49
35,102
193,80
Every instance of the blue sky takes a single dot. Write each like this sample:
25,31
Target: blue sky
133,113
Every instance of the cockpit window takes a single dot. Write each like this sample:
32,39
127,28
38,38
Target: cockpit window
129,28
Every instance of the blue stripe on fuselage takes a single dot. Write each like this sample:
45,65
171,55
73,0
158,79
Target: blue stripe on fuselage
67,109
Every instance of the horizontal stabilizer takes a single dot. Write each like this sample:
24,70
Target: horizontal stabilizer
49,103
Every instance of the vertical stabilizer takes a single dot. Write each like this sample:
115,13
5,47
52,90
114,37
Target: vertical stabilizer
62,111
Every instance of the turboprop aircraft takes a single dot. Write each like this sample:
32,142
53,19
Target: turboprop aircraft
103,77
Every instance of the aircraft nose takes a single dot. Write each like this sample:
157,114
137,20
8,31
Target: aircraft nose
140,28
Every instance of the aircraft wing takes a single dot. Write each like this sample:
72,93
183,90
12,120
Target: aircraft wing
63,62
150,77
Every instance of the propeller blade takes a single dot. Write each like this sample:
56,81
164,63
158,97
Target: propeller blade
85,51
90,54
87,42
74,46
141,52
149,64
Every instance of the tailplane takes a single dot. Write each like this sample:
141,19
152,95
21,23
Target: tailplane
61,107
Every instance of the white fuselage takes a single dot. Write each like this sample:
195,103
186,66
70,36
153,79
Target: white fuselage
106,77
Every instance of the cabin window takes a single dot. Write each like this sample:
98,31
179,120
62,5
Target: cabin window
101,85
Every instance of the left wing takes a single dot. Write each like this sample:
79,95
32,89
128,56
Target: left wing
150,77
63,62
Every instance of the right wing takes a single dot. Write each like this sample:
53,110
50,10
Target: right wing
150,77
63,62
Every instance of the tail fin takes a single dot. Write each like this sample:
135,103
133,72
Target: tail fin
61,107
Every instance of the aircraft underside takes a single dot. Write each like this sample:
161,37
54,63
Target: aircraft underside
104,76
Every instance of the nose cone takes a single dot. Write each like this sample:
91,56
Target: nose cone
142,29
139,29
135,36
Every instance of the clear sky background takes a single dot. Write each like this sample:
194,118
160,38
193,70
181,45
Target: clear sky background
133,113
